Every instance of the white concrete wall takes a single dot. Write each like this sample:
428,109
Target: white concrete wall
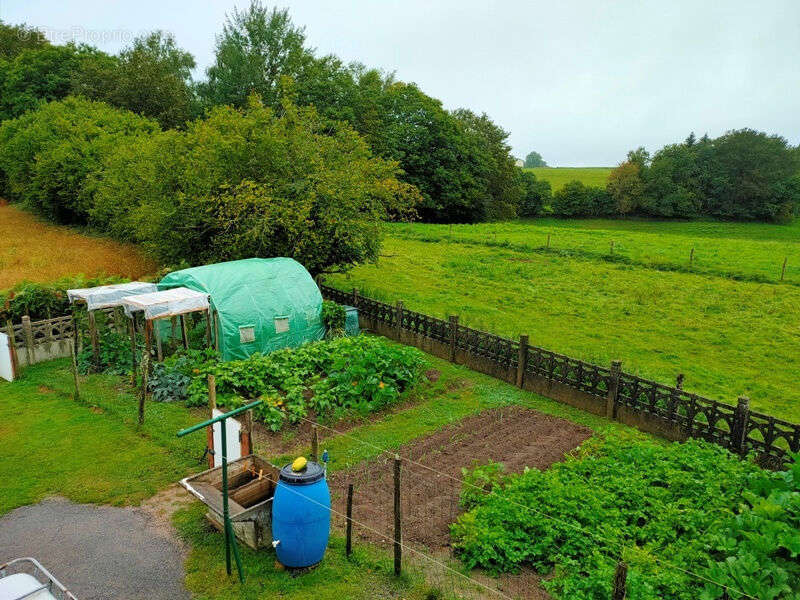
6,366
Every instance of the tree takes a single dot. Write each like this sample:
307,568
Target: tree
670,182
16,38
537,194
573,200
256,48
625,186
254,183
533,160
639,157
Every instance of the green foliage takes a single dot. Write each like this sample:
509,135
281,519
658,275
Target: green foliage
252,183
534,160
536,196
359,374
333,317
16,38
479,481
169,381
44,301
115,353
640,499
578,200
48,155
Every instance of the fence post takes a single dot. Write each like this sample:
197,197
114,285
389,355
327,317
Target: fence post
679,381
522,359
453,331
739,433
613,389
314,442
74,354
398,536
27,333
212,404
12,347
143,395
399,319
783,268
348,547
355,297
620,578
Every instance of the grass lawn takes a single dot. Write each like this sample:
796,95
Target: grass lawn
728,337
34,250
560,176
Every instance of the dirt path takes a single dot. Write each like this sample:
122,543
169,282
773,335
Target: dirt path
515,436
98,552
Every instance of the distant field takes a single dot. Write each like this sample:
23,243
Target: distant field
33,250
725,322
558,176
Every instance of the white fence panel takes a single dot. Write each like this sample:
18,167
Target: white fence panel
234,443
6,364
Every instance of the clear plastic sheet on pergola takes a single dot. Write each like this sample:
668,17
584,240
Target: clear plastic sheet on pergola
106,296
166,303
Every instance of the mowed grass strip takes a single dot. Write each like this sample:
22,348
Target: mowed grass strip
560,176
728,337
745,251
33,250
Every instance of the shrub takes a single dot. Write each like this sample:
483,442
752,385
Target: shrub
115,353
333,317
536,196
479,481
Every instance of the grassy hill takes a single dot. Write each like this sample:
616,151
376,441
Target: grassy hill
558,176
725,321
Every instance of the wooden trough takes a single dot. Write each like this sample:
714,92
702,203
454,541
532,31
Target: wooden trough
251,486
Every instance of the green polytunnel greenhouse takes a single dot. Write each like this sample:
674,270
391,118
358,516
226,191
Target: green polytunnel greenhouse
259,304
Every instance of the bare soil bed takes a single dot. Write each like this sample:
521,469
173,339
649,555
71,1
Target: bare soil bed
431,470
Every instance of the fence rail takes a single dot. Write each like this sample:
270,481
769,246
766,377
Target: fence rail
648,405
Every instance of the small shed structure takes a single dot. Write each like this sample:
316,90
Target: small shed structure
259,305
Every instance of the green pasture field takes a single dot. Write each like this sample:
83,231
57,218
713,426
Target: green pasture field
559,176
729,337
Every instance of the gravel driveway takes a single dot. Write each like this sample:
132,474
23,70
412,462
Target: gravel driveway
98,552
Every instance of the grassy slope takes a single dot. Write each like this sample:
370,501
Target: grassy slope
90,451
728,337
34,250
559,176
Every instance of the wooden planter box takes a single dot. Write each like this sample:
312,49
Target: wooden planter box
251,486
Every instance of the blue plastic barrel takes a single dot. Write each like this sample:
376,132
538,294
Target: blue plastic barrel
301,516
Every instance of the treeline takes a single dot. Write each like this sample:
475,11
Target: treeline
743,175
459,161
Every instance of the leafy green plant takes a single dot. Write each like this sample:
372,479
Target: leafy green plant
332,377
480,480
667,509
168,382
115,353
333,317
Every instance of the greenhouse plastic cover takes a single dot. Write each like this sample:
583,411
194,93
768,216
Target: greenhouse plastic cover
167,303
262,304
104,296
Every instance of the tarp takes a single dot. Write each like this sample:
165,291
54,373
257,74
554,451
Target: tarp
166,303
262,304
104,296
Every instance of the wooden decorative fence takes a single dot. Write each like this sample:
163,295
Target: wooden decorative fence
653,407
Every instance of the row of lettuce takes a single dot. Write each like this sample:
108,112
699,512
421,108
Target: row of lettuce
689,519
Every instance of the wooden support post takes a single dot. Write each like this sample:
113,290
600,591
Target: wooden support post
76,395
355,297
619,590
208,328
398,319
548,241
143,393
741,417
184,333
27,334
613,389
95,340
348,546
679,381
783,268
216,329
398,534
132,329
12,348
159,349
691,257
522,359
246,433
212,404
612,247
314,443
453,334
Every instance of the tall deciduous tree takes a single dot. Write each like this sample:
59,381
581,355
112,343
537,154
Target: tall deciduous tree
533,160
626,187
16,38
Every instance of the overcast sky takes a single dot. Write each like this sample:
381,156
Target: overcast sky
581,82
